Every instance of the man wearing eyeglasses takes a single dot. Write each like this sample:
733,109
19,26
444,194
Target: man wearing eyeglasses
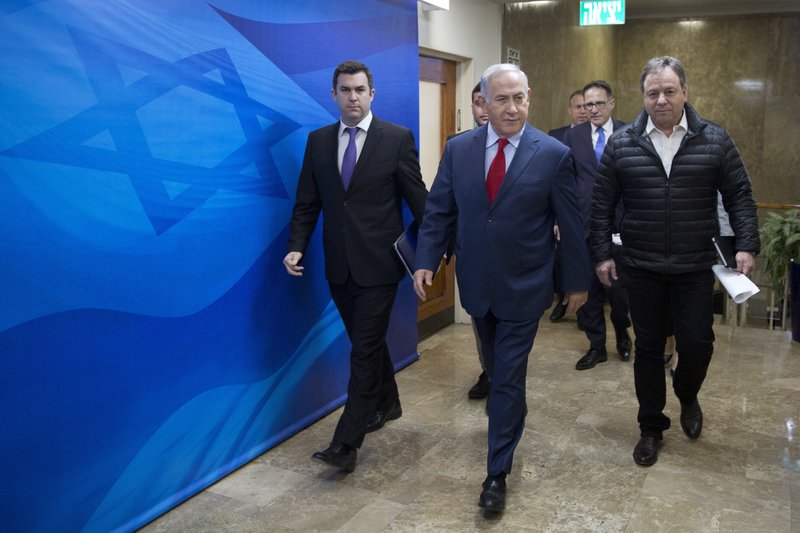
587,142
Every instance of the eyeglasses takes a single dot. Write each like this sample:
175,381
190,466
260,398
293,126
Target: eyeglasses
599,105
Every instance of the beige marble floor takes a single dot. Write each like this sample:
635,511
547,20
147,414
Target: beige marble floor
573,469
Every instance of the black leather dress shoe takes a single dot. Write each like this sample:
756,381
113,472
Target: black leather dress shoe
558,311
592,357
692,420
381,417
646,451
493,496
338,455
624,344
481,389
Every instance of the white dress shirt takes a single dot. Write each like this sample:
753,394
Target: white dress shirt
491,148
608,127
667,146
361,137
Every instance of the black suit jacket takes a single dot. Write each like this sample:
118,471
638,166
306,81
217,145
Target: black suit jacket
360,224
579,139
558,133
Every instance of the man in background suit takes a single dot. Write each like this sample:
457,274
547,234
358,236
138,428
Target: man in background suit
356,172
587,142
577,115
481,388
498,190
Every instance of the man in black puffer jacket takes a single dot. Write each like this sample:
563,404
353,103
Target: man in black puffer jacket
667,167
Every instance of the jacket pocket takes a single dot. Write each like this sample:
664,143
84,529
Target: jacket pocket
535,259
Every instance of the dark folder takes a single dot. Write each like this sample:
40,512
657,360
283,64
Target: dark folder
406,247
726,250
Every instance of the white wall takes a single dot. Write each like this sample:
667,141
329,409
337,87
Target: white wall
470,32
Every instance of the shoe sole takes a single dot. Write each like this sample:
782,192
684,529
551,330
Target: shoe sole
492,508
645,463
591,366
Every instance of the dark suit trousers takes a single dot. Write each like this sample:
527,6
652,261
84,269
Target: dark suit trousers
365,312
592,313
505,347
687,299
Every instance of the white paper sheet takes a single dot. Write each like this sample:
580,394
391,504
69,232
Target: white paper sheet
739,286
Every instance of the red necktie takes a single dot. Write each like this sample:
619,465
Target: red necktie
497,170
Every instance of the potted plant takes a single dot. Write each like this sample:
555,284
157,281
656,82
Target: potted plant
780,253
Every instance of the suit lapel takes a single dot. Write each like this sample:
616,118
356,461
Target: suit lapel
586,140
332,148
476,161
372,141
528,146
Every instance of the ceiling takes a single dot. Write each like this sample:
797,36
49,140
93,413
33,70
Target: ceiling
696,8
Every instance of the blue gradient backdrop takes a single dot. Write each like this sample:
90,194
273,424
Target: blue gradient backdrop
150,341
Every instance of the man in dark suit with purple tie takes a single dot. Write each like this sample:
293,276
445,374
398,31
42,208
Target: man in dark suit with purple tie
357,172
499,189
587,142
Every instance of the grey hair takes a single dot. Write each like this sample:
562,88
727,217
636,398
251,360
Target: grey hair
494,70
660,63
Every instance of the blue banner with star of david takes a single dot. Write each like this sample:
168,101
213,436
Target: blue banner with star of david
150,340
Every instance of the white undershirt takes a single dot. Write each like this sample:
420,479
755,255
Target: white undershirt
608,127
667,146
361,137
491,148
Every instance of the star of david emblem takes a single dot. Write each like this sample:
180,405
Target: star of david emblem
168,189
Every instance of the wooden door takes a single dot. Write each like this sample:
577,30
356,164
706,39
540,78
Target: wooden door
437,79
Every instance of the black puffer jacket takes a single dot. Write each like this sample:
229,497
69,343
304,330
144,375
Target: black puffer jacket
668,223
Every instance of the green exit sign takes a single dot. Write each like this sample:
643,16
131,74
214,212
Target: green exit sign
602,12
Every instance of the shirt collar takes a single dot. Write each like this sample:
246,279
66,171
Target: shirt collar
608,127
684,124
492,137
363,125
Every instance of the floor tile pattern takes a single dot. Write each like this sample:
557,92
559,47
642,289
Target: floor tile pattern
573,470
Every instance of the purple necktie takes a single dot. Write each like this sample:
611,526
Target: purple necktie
601,143
349,159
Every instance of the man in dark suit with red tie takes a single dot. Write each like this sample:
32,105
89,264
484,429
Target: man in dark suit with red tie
587,142
498,190
357,172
